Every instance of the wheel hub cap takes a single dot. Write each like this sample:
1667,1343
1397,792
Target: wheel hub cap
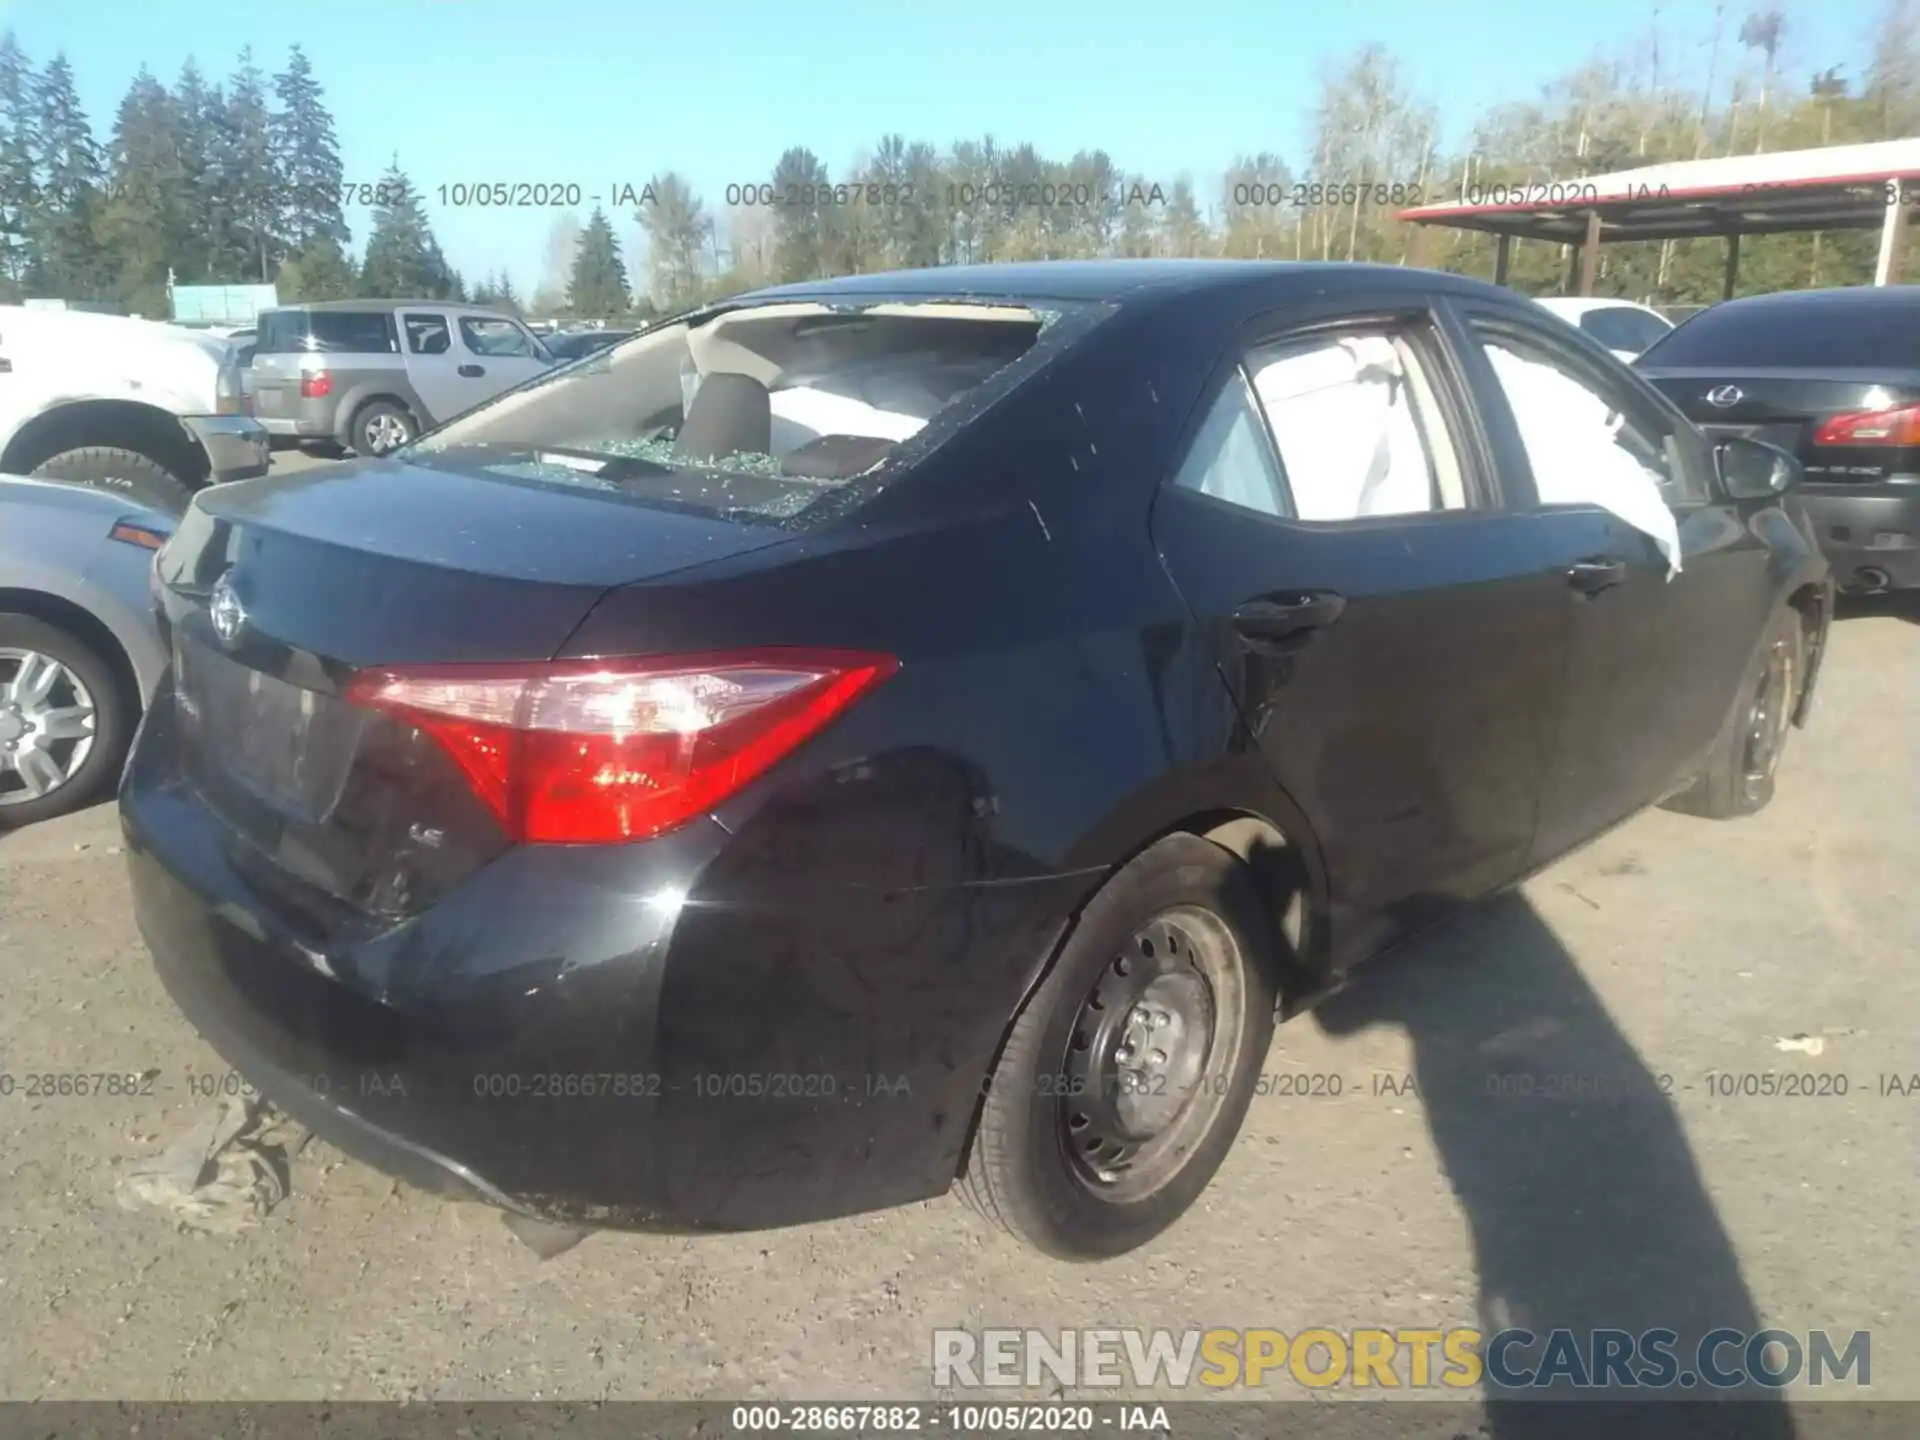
47,722
1159,1051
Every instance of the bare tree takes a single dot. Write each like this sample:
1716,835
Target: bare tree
1761,32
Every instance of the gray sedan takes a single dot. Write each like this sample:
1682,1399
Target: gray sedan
79,652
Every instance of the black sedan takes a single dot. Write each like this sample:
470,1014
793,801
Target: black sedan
928,727
1834,377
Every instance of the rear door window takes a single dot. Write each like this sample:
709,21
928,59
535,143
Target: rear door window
427,334
1359,432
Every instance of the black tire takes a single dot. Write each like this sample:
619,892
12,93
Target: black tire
1738,776
114,718
140,478
379,414
1028,1170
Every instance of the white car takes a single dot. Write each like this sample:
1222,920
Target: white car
150,410
1623,327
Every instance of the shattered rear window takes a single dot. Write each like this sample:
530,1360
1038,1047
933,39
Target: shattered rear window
757,412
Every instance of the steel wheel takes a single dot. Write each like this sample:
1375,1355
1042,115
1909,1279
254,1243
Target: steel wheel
1768,715
1152,1055
48,720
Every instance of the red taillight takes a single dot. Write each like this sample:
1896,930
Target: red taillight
316,385
1872,427
592,752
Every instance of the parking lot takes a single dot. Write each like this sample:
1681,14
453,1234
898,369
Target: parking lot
1495,1153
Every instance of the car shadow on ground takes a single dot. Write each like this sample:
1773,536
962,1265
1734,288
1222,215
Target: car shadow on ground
1568,1157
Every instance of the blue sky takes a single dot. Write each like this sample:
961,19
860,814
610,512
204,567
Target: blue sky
604,92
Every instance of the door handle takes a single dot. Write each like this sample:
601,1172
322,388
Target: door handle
1590,577
472,372
1292,619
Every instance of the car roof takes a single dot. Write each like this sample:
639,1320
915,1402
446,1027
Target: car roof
1115,280
1867,299
381,306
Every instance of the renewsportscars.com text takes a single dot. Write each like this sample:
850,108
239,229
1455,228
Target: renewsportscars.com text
1458,1358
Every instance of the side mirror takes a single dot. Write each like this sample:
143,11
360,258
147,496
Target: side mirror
1754,470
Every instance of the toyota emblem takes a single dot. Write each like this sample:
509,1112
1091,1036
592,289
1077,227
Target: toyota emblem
1725,396
229,617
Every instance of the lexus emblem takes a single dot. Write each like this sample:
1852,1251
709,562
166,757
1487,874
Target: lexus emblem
1725,396
229,617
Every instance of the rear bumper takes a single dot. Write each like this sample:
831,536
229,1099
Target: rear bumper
298,428
1867,528
550,1040
236,446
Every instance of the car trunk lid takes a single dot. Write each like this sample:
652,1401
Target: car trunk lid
278,592
1788,407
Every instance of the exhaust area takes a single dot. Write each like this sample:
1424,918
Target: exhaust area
1867,580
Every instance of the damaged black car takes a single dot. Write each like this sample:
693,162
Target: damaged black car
928,728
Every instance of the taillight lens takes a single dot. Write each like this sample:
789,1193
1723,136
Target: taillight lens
132,532
599,752
1872,427
316,385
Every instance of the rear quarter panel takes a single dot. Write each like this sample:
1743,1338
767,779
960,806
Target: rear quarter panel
901,882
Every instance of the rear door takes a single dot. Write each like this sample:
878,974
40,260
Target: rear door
433,369
1627,488
1395,638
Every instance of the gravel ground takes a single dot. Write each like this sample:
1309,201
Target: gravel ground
1672,948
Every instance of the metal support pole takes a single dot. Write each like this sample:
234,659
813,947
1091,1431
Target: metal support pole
1733,266
1502,253
1889,234
1590,254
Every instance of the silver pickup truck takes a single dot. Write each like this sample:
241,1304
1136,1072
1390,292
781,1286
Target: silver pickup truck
152,411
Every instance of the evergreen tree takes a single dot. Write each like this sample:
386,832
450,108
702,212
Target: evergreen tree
70,178
800,230
505,297
403,260
678,231
203,212
484,292
308,158
19,116
321,271
599,284
250,180
141,221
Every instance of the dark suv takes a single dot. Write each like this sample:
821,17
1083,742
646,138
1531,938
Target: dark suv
370,375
